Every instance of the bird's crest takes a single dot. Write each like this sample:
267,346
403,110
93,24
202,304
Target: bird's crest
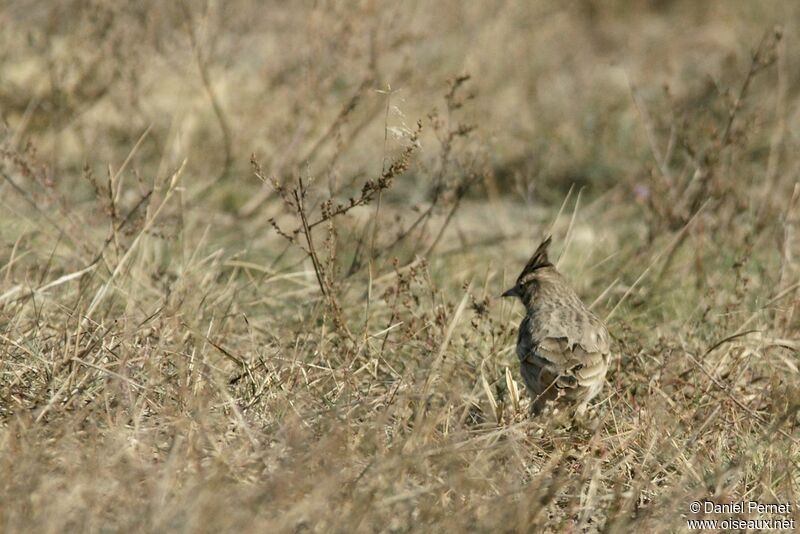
538,260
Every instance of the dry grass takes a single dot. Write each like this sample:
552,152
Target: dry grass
251,256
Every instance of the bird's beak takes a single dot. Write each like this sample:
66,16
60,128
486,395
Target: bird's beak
513,292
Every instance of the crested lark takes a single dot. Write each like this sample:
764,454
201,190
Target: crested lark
563,347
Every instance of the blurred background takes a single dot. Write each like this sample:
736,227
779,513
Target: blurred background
560,93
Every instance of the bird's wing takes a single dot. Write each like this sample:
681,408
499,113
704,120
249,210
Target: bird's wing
566,347
595,337
578,326
568,365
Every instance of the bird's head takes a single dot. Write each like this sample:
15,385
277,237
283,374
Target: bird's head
527,280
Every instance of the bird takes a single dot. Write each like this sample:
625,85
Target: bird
563,347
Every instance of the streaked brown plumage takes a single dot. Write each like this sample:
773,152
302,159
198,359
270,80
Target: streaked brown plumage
563,347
